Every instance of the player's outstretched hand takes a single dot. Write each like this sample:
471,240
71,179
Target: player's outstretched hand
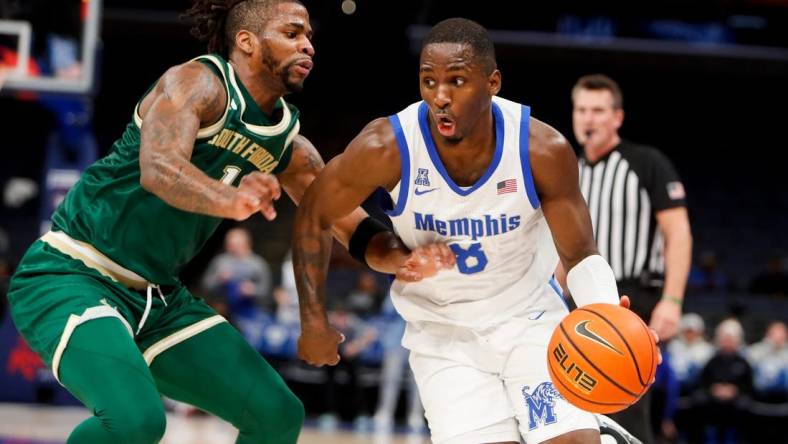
256,192
426,261
624,302
319,346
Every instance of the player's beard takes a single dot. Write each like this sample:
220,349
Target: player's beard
291,85
282,71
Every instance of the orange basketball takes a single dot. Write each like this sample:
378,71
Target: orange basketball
602,358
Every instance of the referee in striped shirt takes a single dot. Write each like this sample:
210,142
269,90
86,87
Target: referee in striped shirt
638,210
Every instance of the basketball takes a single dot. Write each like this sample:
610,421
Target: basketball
602,358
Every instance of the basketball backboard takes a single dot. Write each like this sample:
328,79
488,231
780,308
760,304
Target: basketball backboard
18,37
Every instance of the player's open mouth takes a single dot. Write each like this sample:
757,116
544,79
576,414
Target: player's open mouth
445,125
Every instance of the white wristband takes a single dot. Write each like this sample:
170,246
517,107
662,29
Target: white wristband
592,281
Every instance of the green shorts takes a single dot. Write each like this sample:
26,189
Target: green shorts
52,293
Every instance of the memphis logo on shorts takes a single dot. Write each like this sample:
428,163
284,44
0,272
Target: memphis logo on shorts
541,404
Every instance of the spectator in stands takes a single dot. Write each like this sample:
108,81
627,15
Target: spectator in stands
769,360
364,299
395,371
358,337
689,352
773,280
705,275
726,384
242,279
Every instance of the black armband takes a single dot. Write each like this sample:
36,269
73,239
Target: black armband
364,233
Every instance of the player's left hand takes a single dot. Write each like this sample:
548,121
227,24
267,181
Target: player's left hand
665,319
625,302
426,261
319,345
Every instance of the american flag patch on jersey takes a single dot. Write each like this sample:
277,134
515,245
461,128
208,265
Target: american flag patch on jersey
676,190
507,186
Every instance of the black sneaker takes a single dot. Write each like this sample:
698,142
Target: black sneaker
610,429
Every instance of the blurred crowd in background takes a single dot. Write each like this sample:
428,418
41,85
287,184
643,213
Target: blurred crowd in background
725,376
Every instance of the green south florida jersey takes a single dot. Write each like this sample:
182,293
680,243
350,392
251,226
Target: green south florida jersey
109,209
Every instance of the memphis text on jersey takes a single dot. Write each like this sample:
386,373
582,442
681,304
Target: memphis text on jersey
475,228
239,144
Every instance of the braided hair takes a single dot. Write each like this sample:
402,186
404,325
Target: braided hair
218,21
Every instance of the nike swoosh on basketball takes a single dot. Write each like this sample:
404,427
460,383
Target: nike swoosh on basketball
582,329
420,192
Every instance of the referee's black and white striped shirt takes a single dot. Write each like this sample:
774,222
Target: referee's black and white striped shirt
624,190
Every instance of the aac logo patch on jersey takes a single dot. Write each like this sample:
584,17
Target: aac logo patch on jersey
421,177
541,404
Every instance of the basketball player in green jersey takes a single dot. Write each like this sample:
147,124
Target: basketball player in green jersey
98,296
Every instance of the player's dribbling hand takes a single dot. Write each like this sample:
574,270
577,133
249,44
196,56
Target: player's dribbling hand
624,302
319,346
426,261
256,192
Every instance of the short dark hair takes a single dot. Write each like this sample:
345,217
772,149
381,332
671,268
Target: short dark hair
598,82
467,32
217,21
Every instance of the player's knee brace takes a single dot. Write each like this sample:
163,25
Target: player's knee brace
274,418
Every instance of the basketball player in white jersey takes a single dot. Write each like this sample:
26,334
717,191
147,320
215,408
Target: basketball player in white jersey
499,188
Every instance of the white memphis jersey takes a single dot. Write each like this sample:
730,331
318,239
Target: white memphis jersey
504,249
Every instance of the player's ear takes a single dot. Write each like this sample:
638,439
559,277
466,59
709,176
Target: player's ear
494,82
245,41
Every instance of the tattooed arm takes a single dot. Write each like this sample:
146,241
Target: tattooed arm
304,167
187,97
385,253
370,161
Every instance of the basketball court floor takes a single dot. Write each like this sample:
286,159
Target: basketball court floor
30,424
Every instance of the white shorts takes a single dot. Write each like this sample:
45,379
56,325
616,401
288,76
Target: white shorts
492,385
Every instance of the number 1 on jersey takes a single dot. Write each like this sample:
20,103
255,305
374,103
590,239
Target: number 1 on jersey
230,173
471,260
